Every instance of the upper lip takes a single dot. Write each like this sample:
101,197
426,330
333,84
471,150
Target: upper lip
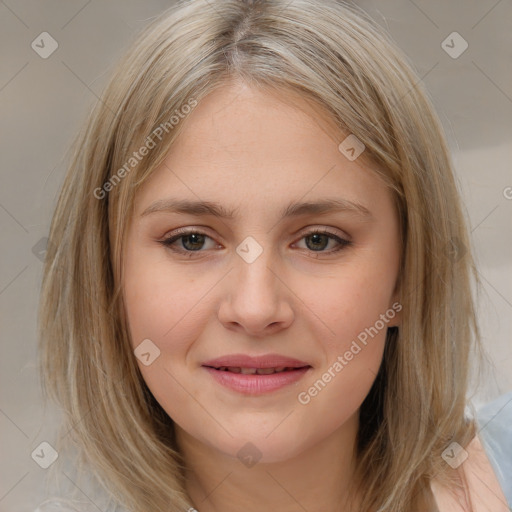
263,361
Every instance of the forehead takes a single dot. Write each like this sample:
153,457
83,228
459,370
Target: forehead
242,145
244,120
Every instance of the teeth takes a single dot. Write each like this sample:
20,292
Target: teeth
253,371
248,371
265,371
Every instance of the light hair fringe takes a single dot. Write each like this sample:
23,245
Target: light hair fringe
334,55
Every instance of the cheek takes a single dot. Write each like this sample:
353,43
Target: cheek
353,305
167,309
159,302
353,312
353,346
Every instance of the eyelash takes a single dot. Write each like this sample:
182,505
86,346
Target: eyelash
343,243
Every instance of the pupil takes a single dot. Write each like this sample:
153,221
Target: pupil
316,237
197,239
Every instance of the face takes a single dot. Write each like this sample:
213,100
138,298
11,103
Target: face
312,283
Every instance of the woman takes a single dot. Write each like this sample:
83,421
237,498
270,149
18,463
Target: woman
258,287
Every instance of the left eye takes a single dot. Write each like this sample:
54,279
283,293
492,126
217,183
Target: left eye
194,241
319,239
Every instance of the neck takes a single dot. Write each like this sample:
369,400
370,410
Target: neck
319,477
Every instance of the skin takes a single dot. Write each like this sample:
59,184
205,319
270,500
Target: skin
256,152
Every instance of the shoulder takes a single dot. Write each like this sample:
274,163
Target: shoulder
485,468
495,432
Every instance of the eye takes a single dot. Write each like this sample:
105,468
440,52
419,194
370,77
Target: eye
191,241
318,239
194,241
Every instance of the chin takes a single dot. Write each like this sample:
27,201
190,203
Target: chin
255,448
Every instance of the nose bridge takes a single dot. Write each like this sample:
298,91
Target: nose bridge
254,269
255,299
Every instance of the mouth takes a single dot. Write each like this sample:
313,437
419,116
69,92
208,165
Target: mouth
256,374
256,381
257,371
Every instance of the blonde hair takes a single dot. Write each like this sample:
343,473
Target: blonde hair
335,56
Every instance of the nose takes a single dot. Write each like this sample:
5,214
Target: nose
256,299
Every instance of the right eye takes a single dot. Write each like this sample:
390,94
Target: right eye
191,241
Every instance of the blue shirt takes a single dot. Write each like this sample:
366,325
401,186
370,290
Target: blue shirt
495,431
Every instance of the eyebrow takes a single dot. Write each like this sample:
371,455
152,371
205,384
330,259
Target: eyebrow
294,209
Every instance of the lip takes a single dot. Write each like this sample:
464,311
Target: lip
256,384
262,361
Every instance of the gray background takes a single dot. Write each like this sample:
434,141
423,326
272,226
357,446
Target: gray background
44,101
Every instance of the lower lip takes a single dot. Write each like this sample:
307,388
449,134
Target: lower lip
256,384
